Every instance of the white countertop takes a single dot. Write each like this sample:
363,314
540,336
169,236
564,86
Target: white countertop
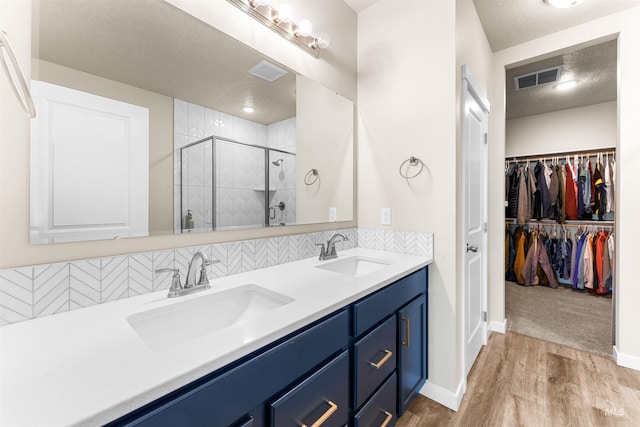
89,367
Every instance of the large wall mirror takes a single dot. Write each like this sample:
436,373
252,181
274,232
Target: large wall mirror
152,122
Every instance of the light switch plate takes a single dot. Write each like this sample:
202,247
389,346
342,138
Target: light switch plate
385,216
333,214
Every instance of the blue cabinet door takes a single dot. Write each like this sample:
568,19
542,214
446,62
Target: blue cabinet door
412,368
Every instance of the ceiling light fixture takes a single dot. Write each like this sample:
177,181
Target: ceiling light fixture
281,21
563,4
566,85
248,109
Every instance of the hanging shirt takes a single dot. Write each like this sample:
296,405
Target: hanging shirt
608,185
601,242
588,263
612,259
613,184
560,214
586,195
578,271
518,263
571,198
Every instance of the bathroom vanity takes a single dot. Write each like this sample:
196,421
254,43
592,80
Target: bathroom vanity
313,342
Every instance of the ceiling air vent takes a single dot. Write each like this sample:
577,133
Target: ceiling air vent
537,78
267,71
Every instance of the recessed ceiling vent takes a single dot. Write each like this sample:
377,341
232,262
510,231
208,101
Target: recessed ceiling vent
267,71
537,78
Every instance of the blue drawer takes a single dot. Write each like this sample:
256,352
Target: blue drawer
375,359
376,307
381,409
220,399
323,395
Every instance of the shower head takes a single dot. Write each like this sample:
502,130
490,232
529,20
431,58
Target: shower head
277,162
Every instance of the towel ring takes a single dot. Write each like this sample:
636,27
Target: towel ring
311,177
413,161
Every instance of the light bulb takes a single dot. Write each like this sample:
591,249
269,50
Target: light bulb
563,4
566,85
285,13
305,28
322,41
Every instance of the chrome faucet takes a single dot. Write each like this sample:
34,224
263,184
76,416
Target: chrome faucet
190,285
329,252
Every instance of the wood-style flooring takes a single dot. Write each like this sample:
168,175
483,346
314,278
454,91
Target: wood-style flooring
523,381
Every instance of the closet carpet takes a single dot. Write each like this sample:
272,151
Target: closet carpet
562,315
523,381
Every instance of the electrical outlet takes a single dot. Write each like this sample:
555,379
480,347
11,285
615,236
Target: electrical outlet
333,214
385,216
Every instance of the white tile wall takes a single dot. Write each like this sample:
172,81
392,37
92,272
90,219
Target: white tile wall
42,290
238,167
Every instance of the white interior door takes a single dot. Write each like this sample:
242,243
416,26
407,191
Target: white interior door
474,140
89,166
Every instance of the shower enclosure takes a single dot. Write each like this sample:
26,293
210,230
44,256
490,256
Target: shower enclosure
226,184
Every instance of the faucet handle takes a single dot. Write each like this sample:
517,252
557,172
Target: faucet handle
204,280
176,284
323,253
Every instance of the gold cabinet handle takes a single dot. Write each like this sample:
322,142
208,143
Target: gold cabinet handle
407,322
386,420
332,408
383,360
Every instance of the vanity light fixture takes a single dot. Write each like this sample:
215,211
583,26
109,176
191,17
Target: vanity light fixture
563,4
281,21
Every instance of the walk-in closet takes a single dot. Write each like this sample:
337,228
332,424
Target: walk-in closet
560,187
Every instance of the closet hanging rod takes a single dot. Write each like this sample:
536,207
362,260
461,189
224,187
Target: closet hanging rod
596,224
564,154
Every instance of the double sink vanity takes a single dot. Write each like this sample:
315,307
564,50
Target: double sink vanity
336,342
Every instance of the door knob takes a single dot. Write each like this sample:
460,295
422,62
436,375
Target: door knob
473,248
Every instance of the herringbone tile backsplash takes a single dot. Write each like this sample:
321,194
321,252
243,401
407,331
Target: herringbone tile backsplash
41,290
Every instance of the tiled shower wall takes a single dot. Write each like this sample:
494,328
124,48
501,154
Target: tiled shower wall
41,290
239,169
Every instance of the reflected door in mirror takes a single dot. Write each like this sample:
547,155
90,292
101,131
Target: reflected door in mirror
89,173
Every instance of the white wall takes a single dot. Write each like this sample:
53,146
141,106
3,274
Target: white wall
585,128
407,106
325,142
625,26
473,50
335,68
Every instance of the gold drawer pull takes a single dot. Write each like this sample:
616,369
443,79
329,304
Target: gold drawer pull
386,420
383,360
407,322
333,408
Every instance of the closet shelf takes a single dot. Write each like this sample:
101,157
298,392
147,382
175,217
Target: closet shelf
567,222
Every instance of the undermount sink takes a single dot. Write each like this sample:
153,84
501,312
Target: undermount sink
168,326
355,265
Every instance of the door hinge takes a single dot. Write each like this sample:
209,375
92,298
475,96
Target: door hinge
486,138
484,316
485,227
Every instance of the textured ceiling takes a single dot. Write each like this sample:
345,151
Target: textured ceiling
594,68
511,22
154,46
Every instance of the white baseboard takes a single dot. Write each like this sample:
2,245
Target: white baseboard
444,396
500,327
625,360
